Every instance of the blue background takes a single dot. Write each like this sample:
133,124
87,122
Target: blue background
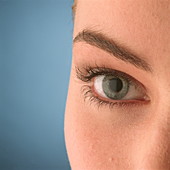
35,59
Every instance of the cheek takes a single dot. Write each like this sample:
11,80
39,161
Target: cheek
86,143
93,143
93,146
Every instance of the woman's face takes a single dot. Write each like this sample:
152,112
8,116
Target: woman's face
120,119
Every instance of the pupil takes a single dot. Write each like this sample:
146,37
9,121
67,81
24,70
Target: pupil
116,85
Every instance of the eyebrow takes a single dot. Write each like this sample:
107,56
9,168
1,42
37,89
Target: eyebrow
114,48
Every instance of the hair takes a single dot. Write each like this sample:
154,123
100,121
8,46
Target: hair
74,7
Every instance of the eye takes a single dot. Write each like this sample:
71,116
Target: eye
117,88
106,86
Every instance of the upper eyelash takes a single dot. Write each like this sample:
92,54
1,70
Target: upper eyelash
87,73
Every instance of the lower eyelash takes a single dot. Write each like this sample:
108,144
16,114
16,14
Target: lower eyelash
87,92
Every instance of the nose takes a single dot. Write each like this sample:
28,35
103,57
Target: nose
155,154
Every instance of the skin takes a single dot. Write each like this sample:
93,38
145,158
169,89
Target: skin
134,137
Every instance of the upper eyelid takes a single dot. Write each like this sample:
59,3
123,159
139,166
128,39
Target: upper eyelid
103,42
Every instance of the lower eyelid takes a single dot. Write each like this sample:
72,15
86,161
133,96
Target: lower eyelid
92,98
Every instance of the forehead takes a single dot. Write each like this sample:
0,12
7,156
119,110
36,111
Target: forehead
143,24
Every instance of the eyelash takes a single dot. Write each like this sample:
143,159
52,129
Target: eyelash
87,73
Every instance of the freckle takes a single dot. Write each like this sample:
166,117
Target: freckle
111,159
